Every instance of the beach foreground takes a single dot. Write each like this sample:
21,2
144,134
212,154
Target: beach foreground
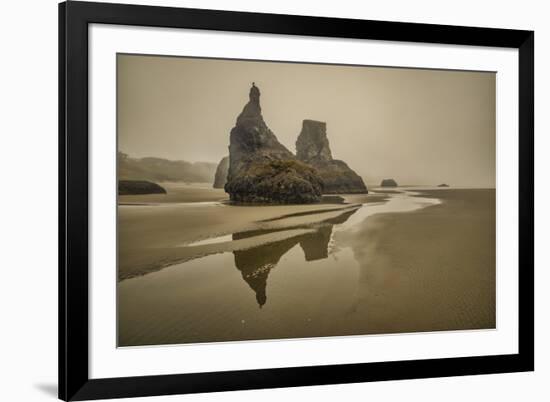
196,269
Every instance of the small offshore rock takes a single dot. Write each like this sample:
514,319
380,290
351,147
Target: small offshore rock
133,187
388,183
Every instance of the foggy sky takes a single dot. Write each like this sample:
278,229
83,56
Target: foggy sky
416,126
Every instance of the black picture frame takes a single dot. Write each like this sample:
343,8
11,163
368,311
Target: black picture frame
74,381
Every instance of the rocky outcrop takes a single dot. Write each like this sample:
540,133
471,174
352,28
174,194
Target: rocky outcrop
133,187
312,147
221,173
261,169
388,183
276,181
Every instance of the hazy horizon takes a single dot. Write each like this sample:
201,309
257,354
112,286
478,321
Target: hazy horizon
417,126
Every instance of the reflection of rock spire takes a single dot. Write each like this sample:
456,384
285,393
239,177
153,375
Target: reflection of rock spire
315,245
256,263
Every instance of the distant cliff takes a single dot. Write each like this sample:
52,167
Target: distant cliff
261,169
158,170
221,173
312,147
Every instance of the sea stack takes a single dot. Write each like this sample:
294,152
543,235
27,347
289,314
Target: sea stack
139,187
312,147
221,173
388,183
261,169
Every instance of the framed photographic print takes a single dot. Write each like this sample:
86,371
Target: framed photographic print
257,200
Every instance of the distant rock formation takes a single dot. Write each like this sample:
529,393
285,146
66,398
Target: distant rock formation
158,169
261,169
312,147
388,183
133,187
443,185
221,173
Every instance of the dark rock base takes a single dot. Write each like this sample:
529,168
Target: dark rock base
338,178
134,187
276,182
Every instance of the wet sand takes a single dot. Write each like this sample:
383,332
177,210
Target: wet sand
207,272
177,193
431,269
153,229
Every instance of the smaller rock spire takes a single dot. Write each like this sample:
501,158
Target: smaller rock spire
312,143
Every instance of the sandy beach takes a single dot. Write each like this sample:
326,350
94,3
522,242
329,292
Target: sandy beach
430,269
396,261
159,230
177,193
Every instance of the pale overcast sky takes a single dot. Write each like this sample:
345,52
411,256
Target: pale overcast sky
417,126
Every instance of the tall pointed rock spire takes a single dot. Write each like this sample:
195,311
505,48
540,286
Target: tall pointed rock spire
261,169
